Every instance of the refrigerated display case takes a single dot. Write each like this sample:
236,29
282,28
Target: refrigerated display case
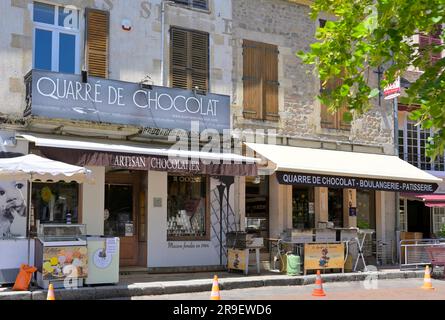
61,255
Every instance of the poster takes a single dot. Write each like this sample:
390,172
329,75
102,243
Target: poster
13,209
237,259
60,262
324,256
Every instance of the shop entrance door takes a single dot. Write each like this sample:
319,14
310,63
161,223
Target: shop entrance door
121,207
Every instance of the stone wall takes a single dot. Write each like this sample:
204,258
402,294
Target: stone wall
289,26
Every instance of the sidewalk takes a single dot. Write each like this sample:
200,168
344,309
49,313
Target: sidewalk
141,284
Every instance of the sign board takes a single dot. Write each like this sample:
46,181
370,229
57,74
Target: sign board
324,256
293,178
65,96
392,90
237,259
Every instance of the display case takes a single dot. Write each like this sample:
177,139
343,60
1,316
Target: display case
61,255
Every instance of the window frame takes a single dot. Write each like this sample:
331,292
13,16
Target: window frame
190,5
56,30
207,222
418,157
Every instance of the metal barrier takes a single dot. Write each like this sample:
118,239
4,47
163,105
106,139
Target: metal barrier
413,252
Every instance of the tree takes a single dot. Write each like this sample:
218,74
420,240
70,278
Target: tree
367,34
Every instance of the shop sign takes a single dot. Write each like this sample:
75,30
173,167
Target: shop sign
65,96
324,256
392,90
292,178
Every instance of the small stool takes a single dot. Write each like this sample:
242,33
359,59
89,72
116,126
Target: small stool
257,258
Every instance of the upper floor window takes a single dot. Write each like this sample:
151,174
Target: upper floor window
197,4
260,81
56,38
412,147
189,59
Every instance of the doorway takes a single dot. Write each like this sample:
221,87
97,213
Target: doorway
419,218
121,213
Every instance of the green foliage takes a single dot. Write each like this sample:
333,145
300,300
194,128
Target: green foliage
441,233
368,34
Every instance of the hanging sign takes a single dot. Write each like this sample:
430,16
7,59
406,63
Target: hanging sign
392,90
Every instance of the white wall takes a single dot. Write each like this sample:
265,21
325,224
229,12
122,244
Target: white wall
163,253
93,202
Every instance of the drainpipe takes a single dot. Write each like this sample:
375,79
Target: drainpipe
397,194
163,3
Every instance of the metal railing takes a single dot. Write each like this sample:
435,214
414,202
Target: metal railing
413,252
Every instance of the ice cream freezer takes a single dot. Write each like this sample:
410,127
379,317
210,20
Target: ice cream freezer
103,260
61,255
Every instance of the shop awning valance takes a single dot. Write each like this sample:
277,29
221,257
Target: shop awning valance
137,156
331,168
33,167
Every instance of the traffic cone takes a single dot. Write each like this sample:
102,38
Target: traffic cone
427,283
318,291
215,290
51,295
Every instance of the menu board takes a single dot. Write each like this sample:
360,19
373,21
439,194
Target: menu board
62,262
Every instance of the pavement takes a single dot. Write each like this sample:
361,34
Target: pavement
397,289
143,284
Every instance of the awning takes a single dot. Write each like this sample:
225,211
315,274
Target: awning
430,200
32,167
136,156
342,169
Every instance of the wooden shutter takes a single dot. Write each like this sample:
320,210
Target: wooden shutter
199,62
189,60
252,80
97,42
179,53
426,41
328,120
270,82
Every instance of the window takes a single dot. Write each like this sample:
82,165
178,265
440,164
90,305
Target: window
335,206
197,4
189,59
187,212
56,38
403,216
54,202
303,207
366,209
257,207
260,81
412,148
438,219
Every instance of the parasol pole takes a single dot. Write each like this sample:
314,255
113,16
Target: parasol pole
28,222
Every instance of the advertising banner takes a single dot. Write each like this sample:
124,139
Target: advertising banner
324,256
237,259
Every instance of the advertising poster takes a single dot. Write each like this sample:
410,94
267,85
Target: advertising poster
324,256
59,262
237,259
13,209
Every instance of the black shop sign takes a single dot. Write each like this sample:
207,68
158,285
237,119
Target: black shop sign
293,178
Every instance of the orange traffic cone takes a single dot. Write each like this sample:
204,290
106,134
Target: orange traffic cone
51,295
427,283
215,289
318,291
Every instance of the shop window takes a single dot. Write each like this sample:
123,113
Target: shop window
55,202
403,215
335,207
189,59
366,209
260,81
187,209
197,4
56,38
257,207
438,220
303,208
118,215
